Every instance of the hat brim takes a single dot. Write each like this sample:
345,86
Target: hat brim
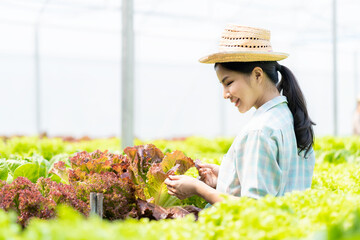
243,57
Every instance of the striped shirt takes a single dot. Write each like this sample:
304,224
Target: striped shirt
264,159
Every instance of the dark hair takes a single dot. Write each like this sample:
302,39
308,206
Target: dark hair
290,88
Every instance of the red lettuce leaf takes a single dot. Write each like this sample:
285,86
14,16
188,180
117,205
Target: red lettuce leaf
59,169
119,193
106,173
23,197
177,157
155,212
151,211
61,194
141,158
172,163
180,212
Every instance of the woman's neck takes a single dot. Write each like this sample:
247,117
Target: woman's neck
266,96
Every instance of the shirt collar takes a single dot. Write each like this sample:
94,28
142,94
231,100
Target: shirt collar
270,104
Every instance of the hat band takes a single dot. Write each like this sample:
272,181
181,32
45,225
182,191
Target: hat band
255,48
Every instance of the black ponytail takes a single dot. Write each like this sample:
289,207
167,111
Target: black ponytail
290,88
297,105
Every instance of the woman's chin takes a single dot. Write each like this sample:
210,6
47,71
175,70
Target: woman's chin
243,110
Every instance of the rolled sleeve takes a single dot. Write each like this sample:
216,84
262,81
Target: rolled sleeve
256,165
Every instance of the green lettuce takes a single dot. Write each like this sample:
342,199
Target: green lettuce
33,170
13,164
3,170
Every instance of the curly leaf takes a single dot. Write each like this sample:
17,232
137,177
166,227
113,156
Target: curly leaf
151,211
59,169
177,157
157,188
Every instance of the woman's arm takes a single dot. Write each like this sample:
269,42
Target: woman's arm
211,195
183,186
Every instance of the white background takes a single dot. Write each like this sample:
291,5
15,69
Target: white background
175,95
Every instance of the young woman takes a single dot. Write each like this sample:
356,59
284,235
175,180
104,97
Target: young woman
273,153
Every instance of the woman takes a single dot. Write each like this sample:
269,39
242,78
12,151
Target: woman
273,153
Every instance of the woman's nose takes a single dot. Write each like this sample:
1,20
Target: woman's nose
226,94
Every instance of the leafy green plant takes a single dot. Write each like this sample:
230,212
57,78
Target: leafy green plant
31,167
4,169
132,185
36,168
39,200
150,167
331,203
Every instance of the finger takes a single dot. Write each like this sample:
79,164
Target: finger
209,166
204,165
197,162
170,183
202,176
174,177
172,193
171,188
204,172
167,181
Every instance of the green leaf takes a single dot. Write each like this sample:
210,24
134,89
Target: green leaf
55,178
28,170
14,164
164,199
4,170
39,167
44,165
9,178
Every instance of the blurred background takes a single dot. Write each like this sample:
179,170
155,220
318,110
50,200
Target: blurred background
62,59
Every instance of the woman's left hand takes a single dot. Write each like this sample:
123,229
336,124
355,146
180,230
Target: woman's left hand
181,186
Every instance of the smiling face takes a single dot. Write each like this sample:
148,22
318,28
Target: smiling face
243,90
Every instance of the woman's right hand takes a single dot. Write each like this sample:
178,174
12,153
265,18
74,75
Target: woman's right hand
208,173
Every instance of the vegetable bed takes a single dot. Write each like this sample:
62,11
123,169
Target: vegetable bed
45,186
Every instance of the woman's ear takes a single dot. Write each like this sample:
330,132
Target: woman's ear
258,74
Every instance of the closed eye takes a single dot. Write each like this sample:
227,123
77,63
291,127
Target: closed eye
229,83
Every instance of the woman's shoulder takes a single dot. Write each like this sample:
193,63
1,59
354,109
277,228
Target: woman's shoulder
260,132
278,118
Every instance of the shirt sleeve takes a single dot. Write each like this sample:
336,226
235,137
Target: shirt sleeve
257,165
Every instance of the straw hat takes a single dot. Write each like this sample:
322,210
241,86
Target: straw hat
244,44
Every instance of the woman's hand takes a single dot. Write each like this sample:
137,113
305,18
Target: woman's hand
208,173
181,186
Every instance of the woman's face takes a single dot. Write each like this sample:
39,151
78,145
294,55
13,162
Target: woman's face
240,88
